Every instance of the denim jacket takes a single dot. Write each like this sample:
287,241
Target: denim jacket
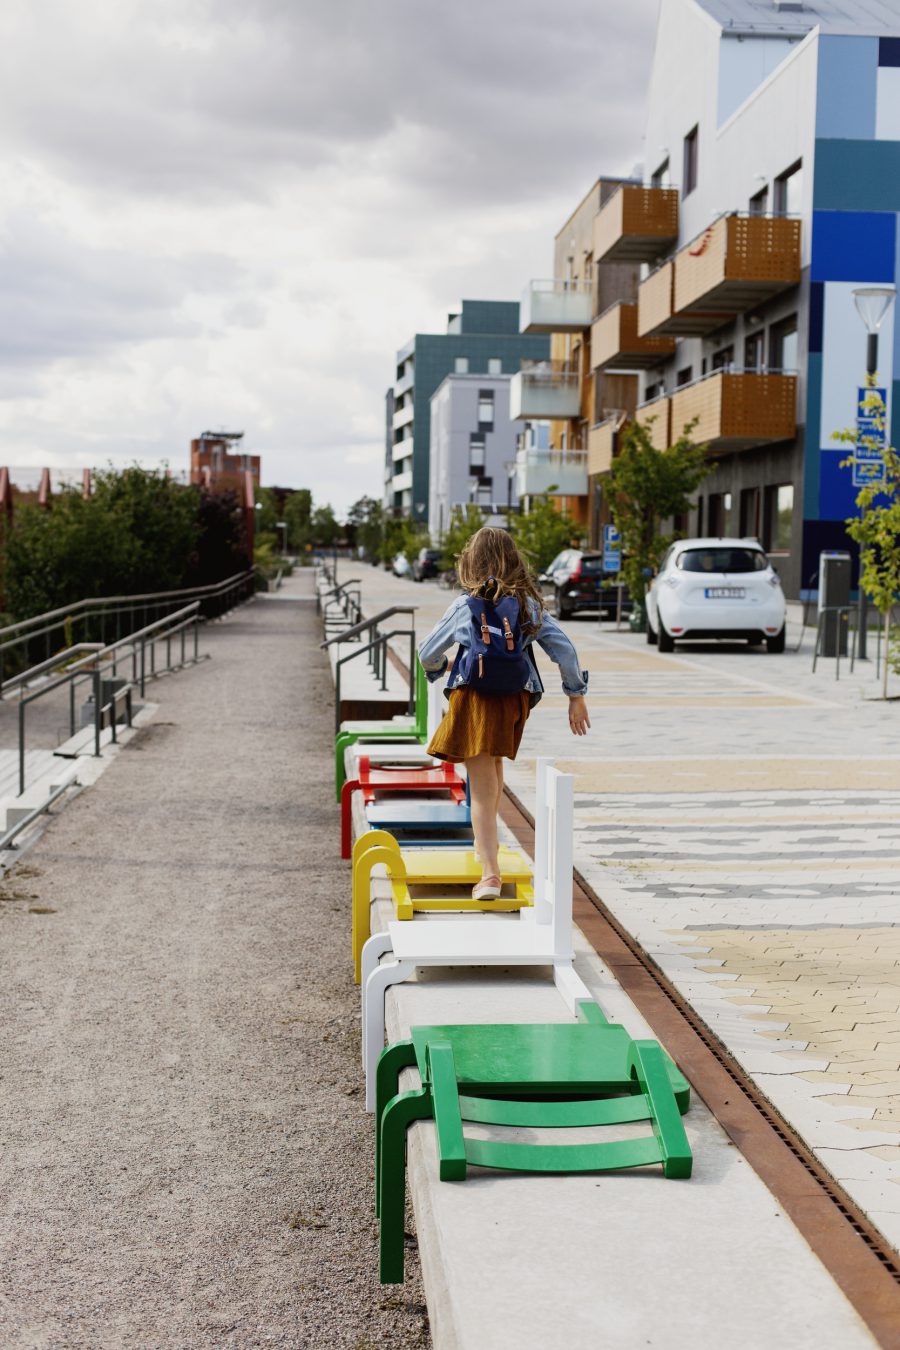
456,627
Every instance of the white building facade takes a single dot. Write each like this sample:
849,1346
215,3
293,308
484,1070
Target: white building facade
473,448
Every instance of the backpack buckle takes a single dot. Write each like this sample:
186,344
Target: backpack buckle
485,631
510,640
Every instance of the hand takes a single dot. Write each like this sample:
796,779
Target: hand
578,715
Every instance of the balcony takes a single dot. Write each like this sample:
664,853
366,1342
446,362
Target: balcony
615,342
402,449
738,409
603,442
405,383
402,482
556,307
637,224
403,416
656,417
738,262
563,473
544,389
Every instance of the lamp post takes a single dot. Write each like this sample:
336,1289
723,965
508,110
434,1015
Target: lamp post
873,304
510,467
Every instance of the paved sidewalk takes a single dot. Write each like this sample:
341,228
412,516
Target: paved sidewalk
740,816
186,1161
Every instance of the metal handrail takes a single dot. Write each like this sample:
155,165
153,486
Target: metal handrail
378,646
89,668
365,624
28,631
50,664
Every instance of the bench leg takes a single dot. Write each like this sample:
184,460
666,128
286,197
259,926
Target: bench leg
399,1114
376,987
377,946
391,1063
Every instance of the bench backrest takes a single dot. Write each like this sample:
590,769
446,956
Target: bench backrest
554,822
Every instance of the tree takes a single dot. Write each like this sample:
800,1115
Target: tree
365,521
464,522
401,534
646,486
324,529
877,531
541,532
297,513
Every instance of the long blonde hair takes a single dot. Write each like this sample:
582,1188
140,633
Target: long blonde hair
491,566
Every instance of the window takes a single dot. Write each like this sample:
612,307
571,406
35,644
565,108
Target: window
654,391
759,202
719,509
783,349
476,455
722,560
684,376
495,365
691,151
661,177
755,351
723,359
789,190
485,408
461,365
750,513
779,517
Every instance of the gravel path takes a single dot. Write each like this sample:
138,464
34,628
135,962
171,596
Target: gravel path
185,1159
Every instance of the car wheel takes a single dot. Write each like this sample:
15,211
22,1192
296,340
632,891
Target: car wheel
776,644
664,640
563,611
652,637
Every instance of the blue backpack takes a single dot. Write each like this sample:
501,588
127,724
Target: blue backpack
495,661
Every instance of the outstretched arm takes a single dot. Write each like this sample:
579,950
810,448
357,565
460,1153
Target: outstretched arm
452,628
561,650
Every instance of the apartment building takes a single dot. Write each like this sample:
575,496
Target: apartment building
218,461
473,448
483,338
771,193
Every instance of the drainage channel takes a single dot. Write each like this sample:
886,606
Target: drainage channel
856,1255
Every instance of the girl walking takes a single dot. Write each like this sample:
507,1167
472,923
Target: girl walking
494,682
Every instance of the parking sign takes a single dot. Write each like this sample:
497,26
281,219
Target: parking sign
612,545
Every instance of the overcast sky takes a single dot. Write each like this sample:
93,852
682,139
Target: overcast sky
232,212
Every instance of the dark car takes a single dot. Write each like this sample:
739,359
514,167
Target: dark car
575,580
426,564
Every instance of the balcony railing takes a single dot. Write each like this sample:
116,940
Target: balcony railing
615,341
560,472
545,389
736,263
402,417
401,449
737,409
603,442
656,417
637,224
556,307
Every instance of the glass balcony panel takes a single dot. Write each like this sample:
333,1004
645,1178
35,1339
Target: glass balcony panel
556,307
637,224
739,409
563,473
544,389
615,341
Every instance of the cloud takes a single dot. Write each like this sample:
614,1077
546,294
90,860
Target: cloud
235,211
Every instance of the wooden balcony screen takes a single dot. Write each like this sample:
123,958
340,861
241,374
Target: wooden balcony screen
636,224
656,416
738,410
615,341
655,297
600,447
738,261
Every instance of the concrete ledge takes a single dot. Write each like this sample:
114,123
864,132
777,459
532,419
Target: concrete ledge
625,1260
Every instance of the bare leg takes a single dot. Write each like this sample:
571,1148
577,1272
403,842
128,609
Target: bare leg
482,773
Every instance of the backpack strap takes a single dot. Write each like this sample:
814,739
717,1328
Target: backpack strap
485,631
508,634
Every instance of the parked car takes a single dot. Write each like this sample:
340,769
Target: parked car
426,564
400,566
573,582
716,588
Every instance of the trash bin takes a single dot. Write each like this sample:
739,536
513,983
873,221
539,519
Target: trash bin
834,589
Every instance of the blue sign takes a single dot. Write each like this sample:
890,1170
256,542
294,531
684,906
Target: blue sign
612,544
871,437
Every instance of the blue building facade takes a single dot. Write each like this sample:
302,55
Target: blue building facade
483,338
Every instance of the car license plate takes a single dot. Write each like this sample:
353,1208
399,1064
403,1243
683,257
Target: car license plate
724,592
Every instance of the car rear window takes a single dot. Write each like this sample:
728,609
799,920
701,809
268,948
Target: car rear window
594,564
722,560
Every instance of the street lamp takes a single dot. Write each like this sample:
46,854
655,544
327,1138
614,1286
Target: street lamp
873,304
510,466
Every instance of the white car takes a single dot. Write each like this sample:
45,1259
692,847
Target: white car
716,588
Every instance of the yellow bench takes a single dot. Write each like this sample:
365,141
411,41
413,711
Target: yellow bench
428,867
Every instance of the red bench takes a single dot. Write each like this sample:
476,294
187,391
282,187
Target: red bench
369,781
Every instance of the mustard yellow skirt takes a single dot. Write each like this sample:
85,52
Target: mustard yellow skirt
480,724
